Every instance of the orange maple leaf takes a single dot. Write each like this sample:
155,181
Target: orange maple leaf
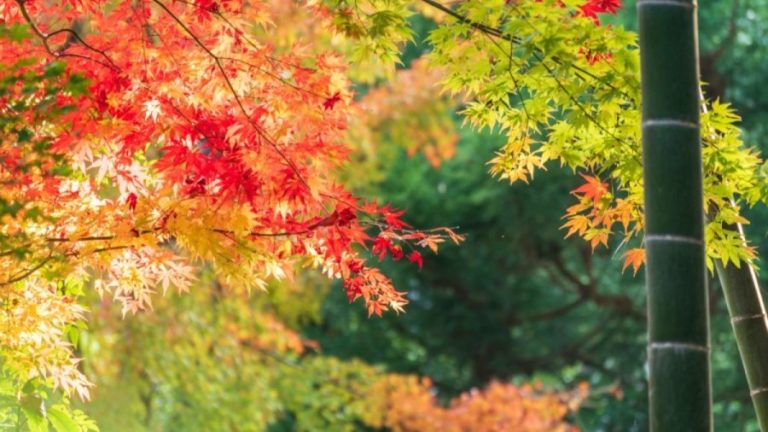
593,189
576,224
634,257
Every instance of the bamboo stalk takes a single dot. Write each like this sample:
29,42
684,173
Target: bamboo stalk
750,326
678,312
749,321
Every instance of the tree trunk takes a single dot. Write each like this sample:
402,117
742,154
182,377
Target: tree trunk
678,313
748,318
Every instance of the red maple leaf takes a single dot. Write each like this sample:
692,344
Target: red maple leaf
380,246
594,7
397,252
330,102
415,257
131,201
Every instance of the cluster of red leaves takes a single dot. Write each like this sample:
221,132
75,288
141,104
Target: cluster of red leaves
408,404
393,243
27,168
593,7
187,105
383,245
590,10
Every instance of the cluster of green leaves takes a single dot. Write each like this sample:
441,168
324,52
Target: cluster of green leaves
37,408
565,89
379,27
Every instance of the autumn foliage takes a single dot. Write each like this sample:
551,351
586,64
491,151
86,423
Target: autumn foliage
146,138
409,405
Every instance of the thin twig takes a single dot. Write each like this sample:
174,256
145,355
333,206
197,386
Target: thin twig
45,37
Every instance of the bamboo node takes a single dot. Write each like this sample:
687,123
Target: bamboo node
687,5
740,318
670,123
674,238
678,346
758,391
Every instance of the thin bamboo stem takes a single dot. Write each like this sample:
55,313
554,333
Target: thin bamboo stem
750,326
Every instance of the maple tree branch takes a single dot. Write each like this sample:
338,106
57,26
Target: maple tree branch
248,40
27,272
619,303
482,27
217,60
156,230
71,38
258,234
581,107
49,258
220,67
555,312
152,231
537,54
241,34
517,87
274,76
500,34
60,53
383,226
74,34
89,238
181,113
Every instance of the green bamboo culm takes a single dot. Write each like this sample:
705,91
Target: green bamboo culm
750,325
680,393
